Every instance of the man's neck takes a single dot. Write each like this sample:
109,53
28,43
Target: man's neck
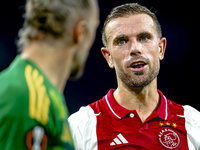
144,100
55,64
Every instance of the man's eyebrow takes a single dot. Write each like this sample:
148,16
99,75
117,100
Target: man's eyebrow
145,33
139,34
120,36
116,37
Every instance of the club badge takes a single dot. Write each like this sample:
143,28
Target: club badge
36,139
168,138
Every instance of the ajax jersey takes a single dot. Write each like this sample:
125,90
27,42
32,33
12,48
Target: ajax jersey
33,114
106,125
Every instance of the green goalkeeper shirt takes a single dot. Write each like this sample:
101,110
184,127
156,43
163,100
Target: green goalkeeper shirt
33,114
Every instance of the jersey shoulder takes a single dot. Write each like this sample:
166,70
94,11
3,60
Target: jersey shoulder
22,88
13,91
192,115
175,108
83,128
85,114
81,118
13,78
188,112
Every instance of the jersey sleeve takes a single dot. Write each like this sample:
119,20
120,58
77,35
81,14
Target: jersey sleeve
83,127
192,123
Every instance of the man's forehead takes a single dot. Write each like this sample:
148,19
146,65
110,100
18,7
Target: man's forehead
130,25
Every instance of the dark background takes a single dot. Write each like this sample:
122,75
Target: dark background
179,74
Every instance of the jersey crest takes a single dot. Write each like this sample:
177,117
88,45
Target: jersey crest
168,138
36,139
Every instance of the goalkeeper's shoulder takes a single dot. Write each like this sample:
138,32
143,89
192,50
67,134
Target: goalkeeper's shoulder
13,90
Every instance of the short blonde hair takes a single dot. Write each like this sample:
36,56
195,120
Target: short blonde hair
52,18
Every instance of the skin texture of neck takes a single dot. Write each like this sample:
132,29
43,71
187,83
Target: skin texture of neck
144,100
54,63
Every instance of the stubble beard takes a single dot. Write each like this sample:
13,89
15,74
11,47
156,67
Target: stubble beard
140,79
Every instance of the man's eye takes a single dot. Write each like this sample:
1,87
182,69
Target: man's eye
144,38
121,41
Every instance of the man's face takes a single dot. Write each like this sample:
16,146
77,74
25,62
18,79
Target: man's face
134,49
84,47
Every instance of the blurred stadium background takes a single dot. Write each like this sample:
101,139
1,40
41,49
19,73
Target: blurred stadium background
179,75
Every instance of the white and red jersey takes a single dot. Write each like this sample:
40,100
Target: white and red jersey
105,124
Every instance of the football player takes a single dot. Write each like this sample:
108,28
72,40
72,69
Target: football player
136,115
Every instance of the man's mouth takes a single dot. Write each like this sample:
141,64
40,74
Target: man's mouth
138,66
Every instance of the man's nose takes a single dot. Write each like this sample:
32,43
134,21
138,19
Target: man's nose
135,48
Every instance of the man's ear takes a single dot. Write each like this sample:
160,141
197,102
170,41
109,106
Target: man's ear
162,47
79,31
107,56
